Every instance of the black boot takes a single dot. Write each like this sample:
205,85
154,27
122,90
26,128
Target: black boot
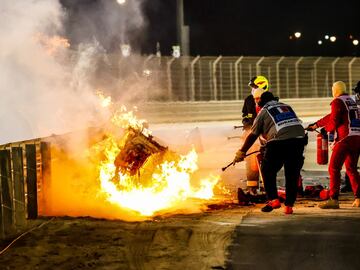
347,186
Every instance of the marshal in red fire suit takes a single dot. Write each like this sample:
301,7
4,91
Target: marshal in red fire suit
344,120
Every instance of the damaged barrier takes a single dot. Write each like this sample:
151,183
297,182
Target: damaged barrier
24,169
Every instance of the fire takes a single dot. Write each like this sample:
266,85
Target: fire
105,101
52,44
159,185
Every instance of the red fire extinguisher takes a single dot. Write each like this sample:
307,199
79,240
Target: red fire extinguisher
322,147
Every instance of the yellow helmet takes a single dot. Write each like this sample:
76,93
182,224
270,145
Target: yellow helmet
259,82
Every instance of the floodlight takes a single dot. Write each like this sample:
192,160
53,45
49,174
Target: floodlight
176,51
125,50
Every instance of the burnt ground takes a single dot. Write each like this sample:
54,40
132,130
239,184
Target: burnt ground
196,241
231,237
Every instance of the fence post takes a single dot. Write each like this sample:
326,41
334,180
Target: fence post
221,81
333,68
147,73
214,76
7,222
45,151
19,191
192,64
31,181
297,76
237,77
147,60
258,68
315,76
168,71
350,71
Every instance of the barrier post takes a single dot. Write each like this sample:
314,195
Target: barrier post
31,181
19,191
6,195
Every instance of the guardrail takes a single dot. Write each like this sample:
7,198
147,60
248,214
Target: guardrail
175,112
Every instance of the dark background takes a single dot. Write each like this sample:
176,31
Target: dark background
237,27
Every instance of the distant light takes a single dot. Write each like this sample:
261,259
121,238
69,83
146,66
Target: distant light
121,2
356,42
319,42
125,50
351,36
176,51
291,37
326,36
297,34
332,38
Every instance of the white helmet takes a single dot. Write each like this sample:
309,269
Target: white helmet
258,92
338,88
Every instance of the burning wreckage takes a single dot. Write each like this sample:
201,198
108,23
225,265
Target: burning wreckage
134,169
136,150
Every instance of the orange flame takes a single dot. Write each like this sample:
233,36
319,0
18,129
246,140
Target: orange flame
105,101
168,185
52,44
83,180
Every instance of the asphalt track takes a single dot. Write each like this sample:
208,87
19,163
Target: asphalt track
324,240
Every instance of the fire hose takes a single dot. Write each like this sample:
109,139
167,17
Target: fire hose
234,137
233,163
235,127
25,233
313,130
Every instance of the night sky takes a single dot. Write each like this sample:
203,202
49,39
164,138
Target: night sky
262,27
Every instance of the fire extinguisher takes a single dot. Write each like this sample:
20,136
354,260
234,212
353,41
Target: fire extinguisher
322,147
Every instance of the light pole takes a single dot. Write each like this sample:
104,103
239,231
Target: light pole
182,30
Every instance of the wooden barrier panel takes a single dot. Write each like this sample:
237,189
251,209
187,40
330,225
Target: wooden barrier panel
31,181
19,192
6,193
46,172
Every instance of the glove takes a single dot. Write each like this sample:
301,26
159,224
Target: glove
240,156
323,132
246,123
312,127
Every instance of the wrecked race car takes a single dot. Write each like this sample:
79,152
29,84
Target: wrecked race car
136,150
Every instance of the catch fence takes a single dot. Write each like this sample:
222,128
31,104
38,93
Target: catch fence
226,78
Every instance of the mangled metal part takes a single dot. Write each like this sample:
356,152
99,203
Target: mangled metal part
136,150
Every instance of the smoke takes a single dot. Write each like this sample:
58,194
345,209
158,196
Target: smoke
52,90
113,25
107,21
50,70
37,97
